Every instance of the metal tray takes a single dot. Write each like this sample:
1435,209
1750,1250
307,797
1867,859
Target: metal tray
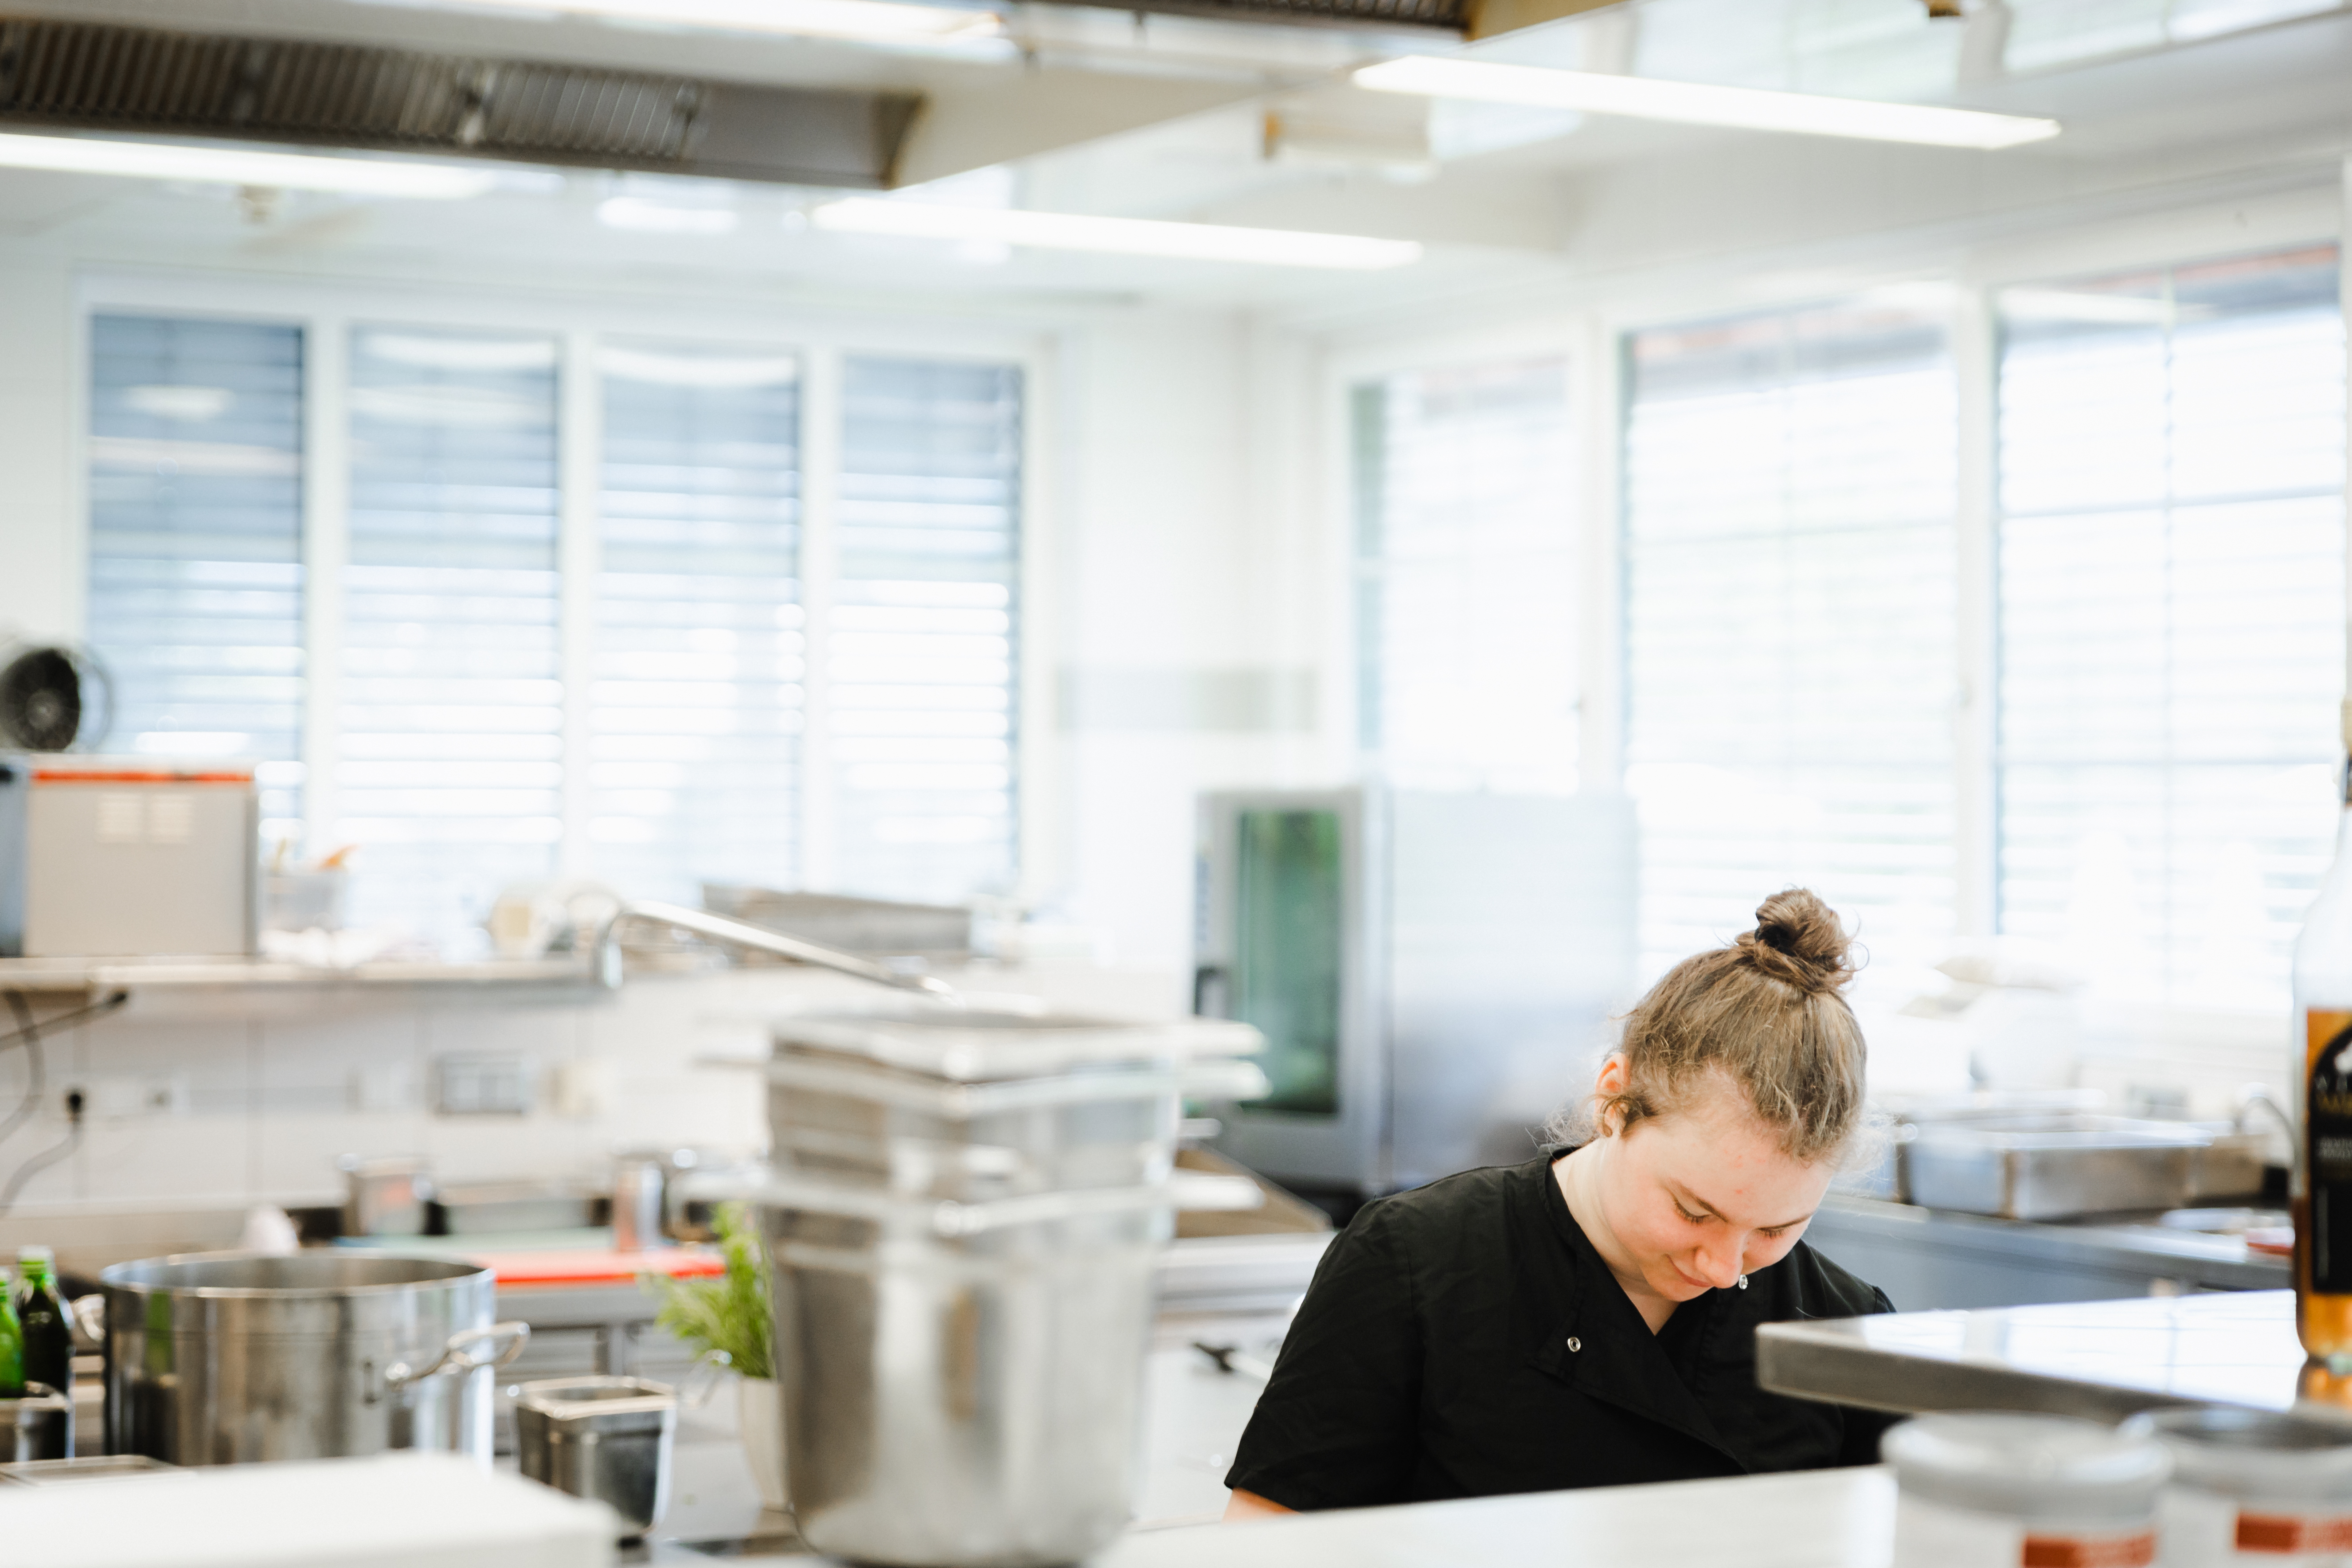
496,1208
2052,1166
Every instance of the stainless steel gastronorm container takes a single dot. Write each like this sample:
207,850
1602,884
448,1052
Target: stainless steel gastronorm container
2051,1167
37,1425
923,1105
972,1400
963,1216
603,1438
222,1358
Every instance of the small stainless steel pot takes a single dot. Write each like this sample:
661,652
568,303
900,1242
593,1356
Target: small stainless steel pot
219,1358
37,1425
603,1438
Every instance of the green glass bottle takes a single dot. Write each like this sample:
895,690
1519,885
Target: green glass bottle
42,1322
12,1345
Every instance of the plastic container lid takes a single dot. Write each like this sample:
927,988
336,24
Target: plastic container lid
2039,1468
2256,1455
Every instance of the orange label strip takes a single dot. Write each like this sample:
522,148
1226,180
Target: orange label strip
2090,1550
123,776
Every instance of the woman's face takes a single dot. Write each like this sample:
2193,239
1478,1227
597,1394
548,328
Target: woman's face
1700,1196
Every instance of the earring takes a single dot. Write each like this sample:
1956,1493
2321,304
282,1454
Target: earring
1743,1281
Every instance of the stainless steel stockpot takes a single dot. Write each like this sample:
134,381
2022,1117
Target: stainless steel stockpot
220,1358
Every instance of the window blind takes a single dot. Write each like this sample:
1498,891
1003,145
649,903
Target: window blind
2171,619
1790,625
196,543
922,709
1465,577
449,763
696,698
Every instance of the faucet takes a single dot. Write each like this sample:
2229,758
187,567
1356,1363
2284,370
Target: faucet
2256,1094
605,953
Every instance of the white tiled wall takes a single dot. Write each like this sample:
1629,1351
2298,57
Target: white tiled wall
260,1092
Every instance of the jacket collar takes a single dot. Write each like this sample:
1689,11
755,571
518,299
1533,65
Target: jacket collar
1617,1360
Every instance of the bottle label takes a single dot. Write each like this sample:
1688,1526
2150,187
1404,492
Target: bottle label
2292,1533
2327,1148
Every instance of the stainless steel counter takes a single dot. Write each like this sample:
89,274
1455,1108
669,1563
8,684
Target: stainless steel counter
2099,1359
1929,1258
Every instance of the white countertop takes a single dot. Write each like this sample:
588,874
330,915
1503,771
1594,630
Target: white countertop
1814,1518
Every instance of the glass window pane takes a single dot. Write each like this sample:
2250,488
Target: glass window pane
2171,620
450,758
921,655
1466,570
1288,929
695,694
196,543
1790,624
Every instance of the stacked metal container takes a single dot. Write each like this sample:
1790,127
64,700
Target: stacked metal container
964,1212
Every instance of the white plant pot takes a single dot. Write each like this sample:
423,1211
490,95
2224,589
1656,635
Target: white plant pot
762,1416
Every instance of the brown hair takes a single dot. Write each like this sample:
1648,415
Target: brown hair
1764,1010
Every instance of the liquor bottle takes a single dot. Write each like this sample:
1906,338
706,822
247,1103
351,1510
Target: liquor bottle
12,1343
2320,1079
41,1320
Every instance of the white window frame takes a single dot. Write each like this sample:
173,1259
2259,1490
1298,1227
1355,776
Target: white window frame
1591,325
326,311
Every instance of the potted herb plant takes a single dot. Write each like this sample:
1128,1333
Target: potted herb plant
726,1320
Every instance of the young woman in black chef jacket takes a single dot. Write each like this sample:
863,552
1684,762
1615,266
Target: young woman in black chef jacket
1588,1319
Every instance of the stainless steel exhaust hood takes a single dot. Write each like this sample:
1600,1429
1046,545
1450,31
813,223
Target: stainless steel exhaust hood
70,75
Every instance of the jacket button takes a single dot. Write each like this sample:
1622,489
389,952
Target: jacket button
1574,1344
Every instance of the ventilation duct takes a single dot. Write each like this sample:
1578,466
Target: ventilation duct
94,77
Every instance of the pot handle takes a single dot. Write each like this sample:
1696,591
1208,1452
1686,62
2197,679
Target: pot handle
90,1318
458,1355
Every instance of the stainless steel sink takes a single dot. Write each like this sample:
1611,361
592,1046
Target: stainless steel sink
2037,1167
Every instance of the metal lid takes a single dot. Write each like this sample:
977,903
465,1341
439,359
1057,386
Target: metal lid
598,1398
2035,1468
2254,1454
976,1045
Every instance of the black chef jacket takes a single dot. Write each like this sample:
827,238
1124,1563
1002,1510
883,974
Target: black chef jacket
1465,1340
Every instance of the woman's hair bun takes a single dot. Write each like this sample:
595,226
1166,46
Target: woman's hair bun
1798,938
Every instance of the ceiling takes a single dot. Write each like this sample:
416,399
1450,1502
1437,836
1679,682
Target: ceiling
1175,117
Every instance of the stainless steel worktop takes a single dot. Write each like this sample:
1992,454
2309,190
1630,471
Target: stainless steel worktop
1931,1258
2098,1359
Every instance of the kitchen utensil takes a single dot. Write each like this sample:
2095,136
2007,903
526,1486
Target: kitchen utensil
874,928
37,1425
2051,1167
640,1184
604,1437
891,1101
1993,1491
2252,1481
502,1209
961,1382
220,1358
963,1219
384,1194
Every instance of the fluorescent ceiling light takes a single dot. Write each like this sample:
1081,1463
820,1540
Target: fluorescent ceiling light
242,166
1123,236
873,19
1696,103
642,216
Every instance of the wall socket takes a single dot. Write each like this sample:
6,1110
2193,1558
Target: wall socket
481,1086
119,1097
